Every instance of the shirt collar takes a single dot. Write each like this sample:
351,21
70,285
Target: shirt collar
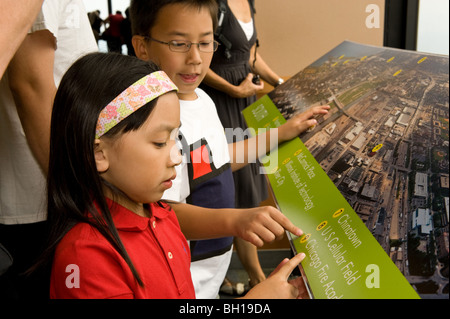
126,220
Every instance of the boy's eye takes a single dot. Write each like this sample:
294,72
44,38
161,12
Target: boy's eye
179,44
205,45
185,46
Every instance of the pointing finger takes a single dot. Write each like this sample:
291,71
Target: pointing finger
287,224
286,269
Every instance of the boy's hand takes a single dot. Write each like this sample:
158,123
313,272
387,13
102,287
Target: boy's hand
263,225
300,123
276,286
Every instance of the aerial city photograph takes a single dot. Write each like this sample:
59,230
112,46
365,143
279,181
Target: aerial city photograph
385,145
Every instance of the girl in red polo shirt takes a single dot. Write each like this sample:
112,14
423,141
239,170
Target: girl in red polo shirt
112,149
113,130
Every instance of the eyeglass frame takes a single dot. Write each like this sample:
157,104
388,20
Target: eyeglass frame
189,44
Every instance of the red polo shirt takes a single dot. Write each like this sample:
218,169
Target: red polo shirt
87,266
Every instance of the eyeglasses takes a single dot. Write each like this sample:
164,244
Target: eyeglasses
185,46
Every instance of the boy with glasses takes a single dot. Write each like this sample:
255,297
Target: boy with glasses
178,35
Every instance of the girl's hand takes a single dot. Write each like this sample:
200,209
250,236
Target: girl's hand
247,88
300,123
262,225
276,286
298,282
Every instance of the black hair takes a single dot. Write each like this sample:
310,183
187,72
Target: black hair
75,188
143,13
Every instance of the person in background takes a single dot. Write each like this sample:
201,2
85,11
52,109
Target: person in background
125,30
230,84
96,23
112,33
15,28
60,34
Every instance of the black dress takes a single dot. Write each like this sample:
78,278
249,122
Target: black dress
251,186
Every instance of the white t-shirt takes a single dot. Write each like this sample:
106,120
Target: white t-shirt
204,179
22,183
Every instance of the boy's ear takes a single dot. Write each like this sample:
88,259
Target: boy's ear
100,154
140,47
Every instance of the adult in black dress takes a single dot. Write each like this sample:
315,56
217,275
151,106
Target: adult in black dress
229,84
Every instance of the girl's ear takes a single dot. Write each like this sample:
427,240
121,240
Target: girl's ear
101,158
140,47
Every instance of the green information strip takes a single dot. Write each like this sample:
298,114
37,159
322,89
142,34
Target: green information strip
343,259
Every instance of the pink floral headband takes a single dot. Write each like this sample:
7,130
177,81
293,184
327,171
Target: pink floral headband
134,97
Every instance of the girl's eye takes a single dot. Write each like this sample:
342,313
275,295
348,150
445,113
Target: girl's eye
160,145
